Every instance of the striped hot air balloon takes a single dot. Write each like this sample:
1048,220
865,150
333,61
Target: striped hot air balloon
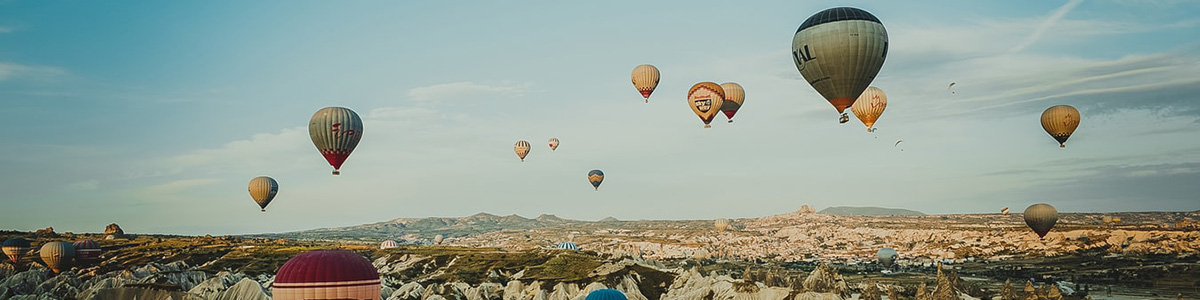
721,224
1041,218
87,250
869,106
596,177
553,144
327,274
522,149
263,190
568,246
388,244
734,97
58,256
705,99
336,132
1060,122
606,294
839,51
1004,211
15,249
645,79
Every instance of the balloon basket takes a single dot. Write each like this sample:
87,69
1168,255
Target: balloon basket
707,126
336,172
730,121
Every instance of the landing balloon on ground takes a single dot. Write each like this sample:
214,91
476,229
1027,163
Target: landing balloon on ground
887,256
438,239
1041,218
839,51
87,250
721,224
58,256
335,131
327,274
15,249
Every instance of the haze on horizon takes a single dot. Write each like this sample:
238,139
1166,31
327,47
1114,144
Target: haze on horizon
156,115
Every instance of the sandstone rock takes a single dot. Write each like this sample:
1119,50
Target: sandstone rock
245,289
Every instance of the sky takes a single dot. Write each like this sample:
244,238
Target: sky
155,115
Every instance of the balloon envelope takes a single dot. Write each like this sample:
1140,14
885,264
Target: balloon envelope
887,256
388,244
734,97
327,274
705,99
1041,218
58,256
869,106
336,132
606,294
263,190
839,51
596,177
438,239
1004,211
553,144
1060,122
645,79
568,246
87,250
721,224
15,249
522,149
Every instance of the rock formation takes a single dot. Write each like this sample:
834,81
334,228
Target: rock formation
113,229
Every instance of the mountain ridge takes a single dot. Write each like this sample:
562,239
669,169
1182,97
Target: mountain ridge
869,211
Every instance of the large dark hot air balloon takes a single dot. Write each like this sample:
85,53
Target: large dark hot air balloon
327,274
839,51
87,250
1041,218
58,256
606,294
336,132
15,249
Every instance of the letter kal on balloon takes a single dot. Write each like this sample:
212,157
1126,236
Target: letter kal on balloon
802,55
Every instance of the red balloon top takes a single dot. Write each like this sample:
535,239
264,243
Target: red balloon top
86,244
326,266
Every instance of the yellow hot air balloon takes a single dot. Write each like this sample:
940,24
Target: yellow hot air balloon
263,190
522,149
1060,121
58,256
839,51
721,224
705,99
734,97
869,106
645,79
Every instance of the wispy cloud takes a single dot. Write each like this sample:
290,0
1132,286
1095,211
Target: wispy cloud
1046,25
7,29
467,90
10,71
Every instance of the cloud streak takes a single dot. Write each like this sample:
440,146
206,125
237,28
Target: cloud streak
1046,25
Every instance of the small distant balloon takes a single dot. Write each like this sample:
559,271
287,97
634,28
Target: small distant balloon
389,244
15,249
595,177
438,239
735,96
721,224
58,256
1060,122
1004,211
522,149
887,256
705,99
335,131
263,190
1041,218
553,144
645,79
869,106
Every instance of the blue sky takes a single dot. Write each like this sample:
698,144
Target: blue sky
156,115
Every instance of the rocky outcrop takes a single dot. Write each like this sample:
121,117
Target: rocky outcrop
114,230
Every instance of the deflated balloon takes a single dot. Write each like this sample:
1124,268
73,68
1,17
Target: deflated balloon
327,274
705,99
336,132
721,224
263,190
645,79
595,177
869,106
15,249
734,97
887,256
522,149
553,144
839,51
1041,218
1060,122
58,256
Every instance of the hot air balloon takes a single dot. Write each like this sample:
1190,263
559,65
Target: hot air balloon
522,149
58,256
606,294
327,274
388,244
645,79
721,224
87,250
263,190
839,51
887,256
1041,218
705,99
869,106
568,246
1060,121
553,144
1004,211
15,249
734,97
438,239
596,177
336,132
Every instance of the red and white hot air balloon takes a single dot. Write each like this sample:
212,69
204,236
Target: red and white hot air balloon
87,250
327,274
645,79
335,131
